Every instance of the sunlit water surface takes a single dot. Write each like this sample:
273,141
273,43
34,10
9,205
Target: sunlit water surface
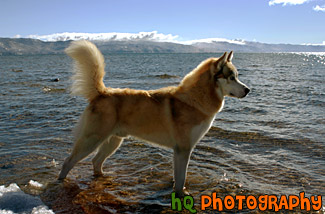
271,142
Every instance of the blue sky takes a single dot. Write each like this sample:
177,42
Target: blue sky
270,21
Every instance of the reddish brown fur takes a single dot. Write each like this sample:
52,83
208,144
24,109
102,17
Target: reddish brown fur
169,107
175,117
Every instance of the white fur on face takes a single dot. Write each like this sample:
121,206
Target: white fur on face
232,87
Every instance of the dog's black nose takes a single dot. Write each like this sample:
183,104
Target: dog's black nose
247,90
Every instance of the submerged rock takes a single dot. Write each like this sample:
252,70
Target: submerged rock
55,80
16,70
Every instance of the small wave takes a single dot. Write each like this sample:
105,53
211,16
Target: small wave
254,137
255,66
47,89
165,76
36,85
243,70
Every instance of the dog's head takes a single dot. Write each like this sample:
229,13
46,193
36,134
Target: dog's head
226,77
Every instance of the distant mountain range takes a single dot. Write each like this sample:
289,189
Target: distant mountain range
147,42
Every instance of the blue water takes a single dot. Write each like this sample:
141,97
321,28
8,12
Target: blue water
271,142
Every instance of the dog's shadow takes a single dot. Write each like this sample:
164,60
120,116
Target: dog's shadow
105,194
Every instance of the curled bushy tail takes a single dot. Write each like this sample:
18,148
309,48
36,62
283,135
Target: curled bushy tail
88,70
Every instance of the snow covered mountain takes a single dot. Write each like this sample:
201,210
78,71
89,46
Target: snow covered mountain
149,36
143,42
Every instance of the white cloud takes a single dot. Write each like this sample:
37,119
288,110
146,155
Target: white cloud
285,2
319,8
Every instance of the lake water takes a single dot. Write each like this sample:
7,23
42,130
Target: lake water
271,142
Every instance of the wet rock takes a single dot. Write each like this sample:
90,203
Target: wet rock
8,166
55,80
166,76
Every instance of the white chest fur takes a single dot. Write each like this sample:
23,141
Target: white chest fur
200,130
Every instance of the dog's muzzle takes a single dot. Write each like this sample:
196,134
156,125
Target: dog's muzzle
247,90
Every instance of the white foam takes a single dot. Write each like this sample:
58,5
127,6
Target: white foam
35,184
13,200
10,188
53,163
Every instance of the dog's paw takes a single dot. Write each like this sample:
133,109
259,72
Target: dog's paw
186,192
98,174
182,193
60,178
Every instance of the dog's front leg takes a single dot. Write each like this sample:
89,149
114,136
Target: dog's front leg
181,159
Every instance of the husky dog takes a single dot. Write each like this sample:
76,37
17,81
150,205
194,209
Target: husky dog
175,117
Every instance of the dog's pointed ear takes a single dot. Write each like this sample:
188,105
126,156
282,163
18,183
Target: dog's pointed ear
220,62
230,56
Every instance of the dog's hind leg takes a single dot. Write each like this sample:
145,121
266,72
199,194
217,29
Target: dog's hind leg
104,151
82,148
96,125
181,159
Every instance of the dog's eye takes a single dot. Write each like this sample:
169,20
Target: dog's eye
232,78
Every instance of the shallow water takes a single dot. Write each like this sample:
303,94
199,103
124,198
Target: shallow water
271,142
